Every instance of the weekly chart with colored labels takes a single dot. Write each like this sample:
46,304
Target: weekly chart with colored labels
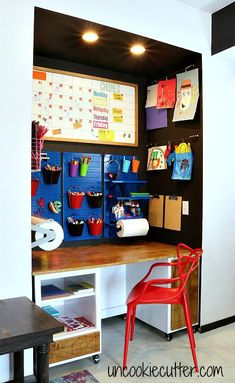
82,108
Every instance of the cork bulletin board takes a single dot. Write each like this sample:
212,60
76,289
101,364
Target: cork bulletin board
83,108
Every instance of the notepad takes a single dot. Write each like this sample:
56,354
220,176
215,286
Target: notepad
172,216
155,216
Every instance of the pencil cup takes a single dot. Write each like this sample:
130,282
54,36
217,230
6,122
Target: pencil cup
125,165
51,176
94,199
76,228
75,199
83,169
95,226
73,168
135,165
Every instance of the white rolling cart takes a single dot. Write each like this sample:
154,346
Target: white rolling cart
72,345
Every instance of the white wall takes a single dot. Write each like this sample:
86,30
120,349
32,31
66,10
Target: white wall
16,39
158,20
218,282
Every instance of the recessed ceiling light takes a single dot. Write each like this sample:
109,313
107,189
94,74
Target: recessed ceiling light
137,49
90,37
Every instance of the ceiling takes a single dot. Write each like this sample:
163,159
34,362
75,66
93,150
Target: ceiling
58,36
209,6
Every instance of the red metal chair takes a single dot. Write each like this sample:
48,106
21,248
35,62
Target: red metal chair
148,292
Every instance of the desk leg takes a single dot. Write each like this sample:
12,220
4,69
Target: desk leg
42,362
19,366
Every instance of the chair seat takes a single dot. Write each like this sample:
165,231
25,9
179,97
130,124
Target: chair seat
154,294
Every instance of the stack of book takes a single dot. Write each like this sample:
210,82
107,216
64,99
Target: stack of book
51,310
80,288
52,292
73,324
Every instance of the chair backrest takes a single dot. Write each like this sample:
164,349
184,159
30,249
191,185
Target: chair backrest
188,261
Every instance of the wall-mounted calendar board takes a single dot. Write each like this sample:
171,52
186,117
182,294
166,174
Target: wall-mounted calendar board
82,108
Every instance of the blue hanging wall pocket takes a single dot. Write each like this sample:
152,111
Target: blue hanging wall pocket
182,158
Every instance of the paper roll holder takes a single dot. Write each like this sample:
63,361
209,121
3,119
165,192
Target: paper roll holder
118,227
49,235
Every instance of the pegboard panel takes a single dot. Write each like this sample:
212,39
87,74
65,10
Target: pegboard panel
114,163
91,182
47,193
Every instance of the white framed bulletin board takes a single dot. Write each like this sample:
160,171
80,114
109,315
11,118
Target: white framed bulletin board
82,108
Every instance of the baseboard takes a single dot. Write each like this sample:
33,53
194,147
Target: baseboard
113,311
217,324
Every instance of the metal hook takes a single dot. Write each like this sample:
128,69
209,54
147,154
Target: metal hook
190,66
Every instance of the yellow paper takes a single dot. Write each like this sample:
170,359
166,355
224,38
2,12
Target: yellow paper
117,111
106,135
118,96
117,118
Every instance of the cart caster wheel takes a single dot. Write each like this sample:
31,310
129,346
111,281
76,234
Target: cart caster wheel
168,337
96,359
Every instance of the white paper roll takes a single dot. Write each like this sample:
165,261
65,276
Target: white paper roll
56,228
132,227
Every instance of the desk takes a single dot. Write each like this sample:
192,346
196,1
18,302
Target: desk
79,262
24,325
102,255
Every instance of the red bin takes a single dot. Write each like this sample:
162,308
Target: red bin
95,226
34,187
75,199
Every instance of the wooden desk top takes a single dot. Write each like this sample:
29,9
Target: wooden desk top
86,257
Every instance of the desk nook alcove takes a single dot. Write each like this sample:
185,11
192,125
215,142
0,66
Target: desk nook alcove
93,189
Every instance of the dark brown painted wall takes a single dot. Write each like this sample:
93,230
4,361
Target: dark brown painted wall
158,182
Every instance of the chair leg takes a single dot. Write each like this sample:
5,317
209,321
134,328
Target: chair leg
127,334
190,331
190,319
133,323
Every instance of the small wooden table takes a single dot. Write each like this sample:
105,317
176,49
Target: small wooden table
24,325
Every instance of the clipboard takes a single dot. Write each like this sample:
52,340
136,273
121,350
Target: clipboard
155,216
172,216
